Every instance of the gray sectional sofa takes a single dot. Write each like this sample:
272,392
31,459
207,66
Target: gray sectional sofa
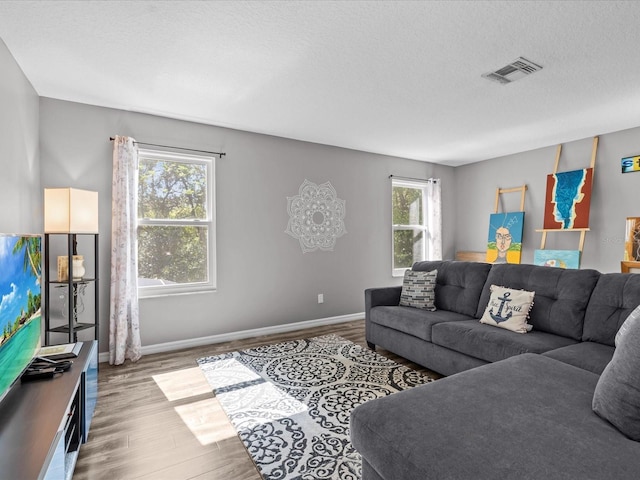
514,406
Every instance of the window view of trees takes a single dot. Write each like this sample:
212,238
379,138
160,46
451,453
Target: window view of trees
172,254
408,226
173,229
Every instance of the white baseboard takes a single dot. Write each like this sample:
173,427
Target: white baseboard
227,337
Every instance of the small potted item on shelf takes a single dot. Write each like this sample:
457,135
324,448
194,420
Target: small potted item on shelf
78,268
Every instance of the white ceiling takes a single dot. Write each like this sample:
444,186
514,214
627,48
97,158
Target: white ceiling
393,77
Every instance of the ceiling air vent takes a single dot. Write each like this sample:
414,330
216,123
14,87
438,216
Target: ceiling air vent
521,67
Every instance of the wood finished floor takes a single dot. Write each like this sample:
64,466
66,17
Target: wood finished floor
158,419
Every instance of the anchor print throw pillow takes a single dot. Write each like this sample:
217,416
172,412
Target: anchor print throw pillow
509,308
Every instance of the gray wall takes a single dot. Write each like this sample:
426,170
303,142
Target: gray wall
20,193
615,196
52,143
264,279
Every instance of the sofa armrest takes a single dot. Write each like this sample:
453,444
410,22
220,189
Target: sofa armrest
374,297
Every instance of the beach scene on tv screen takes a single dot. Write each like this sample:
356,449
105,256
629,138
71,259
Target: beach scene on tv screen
20,304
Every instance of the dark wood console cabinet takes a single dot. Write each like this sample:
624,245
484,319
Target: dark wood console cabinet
44,422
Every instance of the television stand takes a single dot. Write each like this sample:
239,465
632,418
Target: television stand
46,360
43,362
44,422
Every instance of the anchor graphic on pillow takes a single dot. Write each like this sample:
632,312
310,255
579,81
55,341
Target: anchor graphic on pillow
498,316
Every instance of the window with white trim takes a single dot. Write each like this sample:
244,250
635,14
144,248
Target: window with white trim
176,223
409,224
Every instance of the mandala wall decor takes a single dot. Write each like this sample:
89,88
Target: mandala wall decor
316,216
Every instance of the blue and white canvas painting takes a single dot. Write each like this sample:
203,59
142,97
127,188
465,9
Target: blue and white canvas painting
557,258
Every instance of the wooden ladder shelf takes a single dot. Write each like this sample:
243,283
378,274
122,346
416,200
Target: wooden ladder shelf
582,231
500,191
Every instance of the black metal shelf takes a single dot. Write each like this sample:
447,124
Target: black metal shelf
71,326
76,326
74,282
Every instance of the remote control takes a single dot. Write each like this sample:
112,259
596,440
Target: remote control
37,374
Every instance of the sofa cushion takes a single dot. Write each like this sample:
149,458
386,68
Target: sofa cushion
368,472
492,344
508,308
459,284
411,320
528,417
590,356
561,295
613,299
418,290
617,394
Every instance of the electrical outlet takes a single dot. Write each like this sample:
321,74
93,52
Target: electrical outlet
321,298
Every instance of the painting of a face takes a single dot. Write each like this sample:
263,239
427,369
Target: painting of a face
504,244
503,239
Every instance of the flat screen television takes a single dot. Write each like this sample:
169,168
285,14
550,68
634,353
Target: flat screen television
20,305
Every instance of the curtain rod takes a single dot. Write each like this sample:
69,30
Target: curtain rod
220,154
434,180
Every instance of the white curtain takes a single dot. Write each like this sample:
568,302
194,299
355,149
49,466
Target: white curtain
124,327
434,219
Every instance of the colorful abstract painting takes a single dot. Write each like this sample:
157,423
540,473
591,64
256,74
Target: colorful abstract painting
632,240
557,258
568,200
505,237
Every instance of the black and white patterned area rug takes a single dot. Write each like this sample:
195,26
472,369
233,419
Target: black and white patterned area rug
290,402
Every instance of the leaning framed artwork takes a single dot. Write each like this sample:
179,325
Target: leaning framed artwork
632,239
557,258
568,200
504,244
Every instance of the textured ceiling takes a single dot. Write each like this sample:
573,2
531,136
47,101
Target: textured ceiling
397,78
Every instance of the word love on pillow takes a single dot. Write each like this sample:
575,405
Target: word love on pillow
509,308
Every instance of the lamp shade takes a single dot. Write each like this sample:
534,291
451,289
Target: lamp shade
70,210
